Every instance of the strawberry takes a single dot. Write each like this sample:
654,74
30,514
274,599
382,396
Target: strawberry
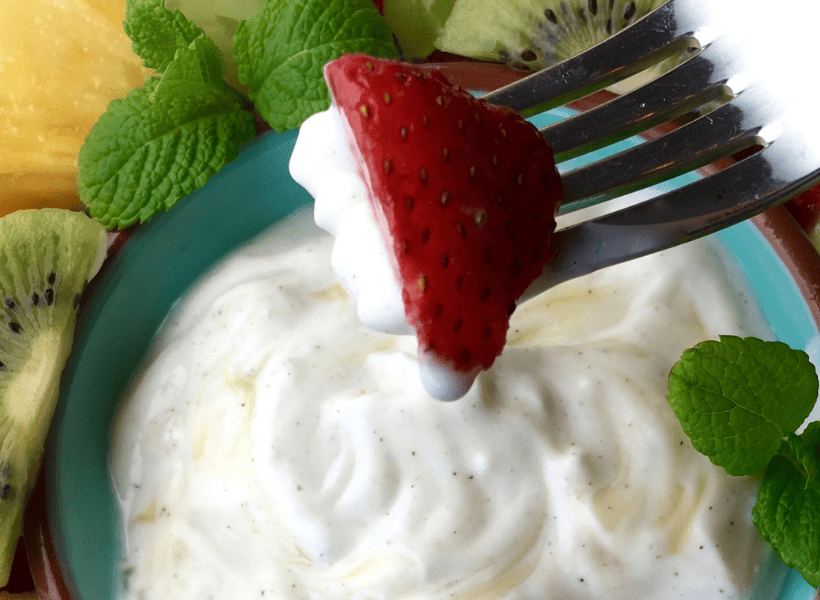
464,192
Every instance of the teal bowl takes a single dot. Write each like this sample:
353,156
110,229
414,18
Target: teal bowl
72,524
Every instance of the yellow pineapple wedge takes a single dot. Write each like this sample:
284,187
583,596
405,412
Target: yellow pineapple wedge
61,63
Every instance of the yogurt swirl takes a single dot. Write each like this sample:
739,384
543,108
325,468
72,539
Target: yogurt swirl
274,447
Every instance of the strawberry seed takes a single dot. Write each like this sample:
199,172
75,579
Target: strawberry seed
458,324
422,283
509,229
515,269
445,197
387,98
365,111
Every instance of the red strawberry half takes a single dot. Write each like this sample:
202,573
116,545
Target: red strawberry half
465,194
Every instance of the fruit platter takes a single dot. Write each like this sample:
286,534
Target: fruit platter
264,335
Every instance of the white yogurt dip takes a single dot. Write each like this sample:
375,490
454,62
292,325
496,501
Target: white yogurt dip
275,448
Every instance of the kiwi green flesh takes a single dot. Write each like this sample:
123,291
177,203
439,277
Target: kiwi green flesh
46,258
534,34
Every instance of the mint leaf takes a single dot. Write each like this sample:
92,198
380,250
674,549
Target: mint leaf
281,51
787,512
197,66
738,398
157,33
801,454
148,151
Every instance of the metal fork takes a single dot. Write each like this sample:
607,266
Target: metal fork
739,90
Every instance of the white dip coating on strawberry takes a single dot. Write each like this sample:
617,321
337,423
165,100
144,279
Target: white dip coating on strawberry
273,444
323,165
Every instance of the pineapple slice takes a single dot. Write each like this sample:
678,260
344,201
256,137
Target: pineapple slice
61,62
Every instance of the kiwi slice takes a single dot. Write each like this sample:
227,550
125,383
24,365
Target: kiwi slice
46,258
533,34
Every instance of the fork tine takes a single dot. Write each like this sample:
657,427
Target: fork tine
633,49
687,87
717,135
730,196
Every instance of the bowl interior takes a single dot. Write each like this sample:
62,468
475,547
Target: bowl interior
162,259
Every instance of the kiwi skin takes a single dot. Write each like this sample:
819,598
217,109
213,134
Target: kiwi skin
534,34
46,258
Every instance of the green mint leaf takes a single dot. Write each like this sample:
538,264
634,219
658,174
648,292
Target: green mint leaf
149,150
787,512
195,67
801,454
157,33
281,51
738,398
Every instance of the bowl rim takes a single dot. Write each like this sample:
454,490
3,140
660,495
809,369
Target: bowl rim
799,257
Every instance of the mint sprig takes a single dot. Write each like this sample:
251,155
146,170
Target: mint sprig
741,401
787,512
165,140
281,51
